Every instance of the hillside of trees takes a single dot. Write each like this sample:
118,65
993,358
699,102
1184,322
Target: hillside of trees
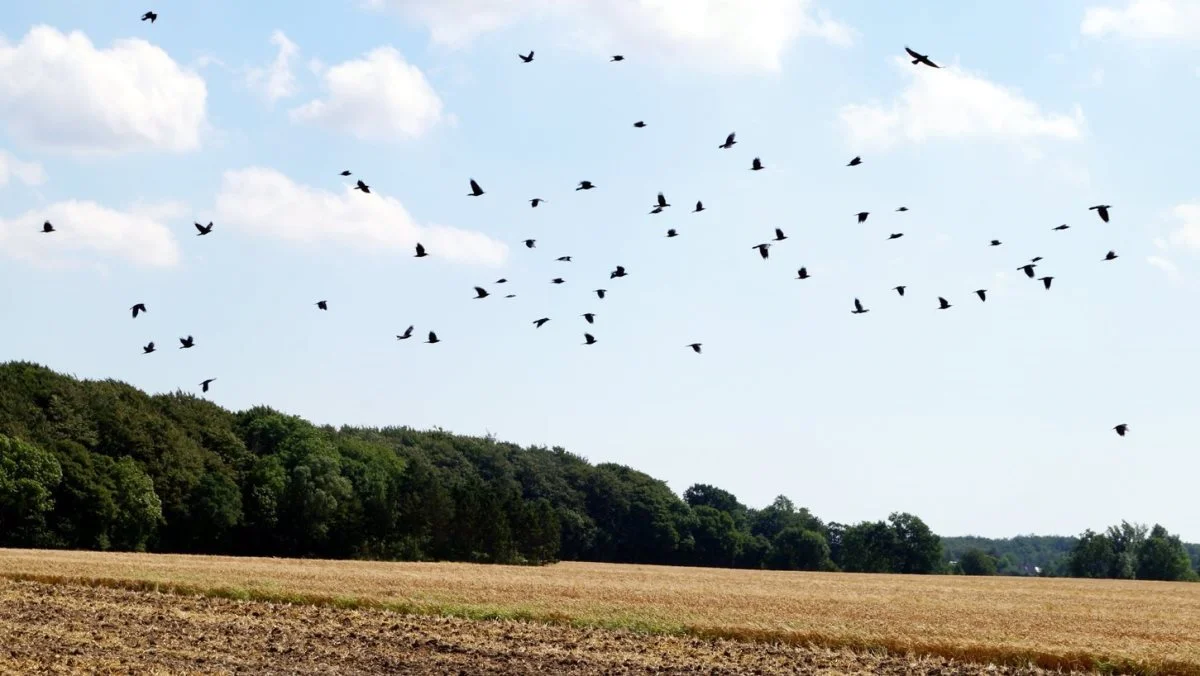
102,465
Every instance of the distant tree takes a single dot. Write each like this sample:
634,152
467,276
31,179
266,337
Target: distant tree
1126,542
1162,557
918,550
704,495
795,548
28,477
868,547
714,536
1093,556
780,514
977,562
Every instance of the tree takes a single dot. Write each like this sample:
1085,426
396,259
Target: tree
868,547
1093,556
1162,557
796,548
28,477
977,562
918,550
714,536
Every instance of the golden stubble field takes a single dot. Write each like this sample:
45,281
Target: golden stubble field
1105,624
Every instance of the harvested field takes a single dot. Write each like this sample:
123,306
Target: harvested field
1088,624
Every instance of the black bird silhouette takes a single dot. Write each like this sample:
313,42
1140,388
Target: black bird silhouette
855,162
896,235
363,187
619,272
920,58
982,293
590,317
996,242
943,304
639,124
481,292
1028,268
537,323
558,280
585,185
695,347
511,295
902,209
420,251
1111,255
204,385
432,338
1101,209
656,210
47,228
322,305
1035,259
618,57
1046,281
662,201
862,216
899,289
600,293
858,308
530,243
502,280
536,201
346,172
762,249
757,165
699,208
476,191
802,273
779,236
150,16
202,230
526,59
406,335
137,309
671,232
1121,429
149,348
589,339
563,259
185,343
730,141
1064,226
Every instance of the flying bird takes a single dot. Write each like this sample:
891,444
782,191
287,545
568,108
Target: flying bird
502,280
639,124
589,339
662,201
1121,429
920,58
420,251
1028,268
149,348
585,185
862,216
563,259
996,242
432,338
943,304
185,343
204,385
802,273
699,208
481,292
1035,259
590,317
896,235
982,293
617,57
323,305
558,280
858,308
363,187
899,289
536,201
762,249
511,295
619,272
1046,281
656,210
779,236
902,209
1111,255
137,309
47,227
526,59
346,172
671,232
476,191
537,323
695,347
730,141
600,293
1064,226
1101,209
530,243
757,165
406,335
202,230
855,162
150,16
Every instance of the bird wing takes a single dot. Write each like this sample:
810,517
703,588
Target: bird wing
480,291
475,186
199,228
778,233
857,304
729,139
913,54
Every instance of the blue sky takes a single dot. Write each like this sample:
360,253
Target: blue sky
989,418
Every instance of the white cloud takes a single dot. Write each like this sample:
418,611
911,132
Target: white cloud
267,203
1145,20
275,80
86,228
29,173
722,33
378,97
1188,233
60,92
1165,265
952,103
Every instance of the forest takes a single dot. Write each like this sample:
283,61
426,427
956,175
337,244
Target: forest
102,465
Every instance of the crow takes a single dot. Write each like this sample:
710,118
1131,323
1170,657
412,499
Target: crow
862,216
558,280
150,16
896,235
1064,226
476,191
617,57
902,209
1028,268
149,348
1101,209
662,201
756,165
530,243
432,338
729,141
323,304
858,308
527,59
563,259
185,343
943,304
502,280
855,162
695,347
1121,429
346,173
406,335
47,227
699,208
137,309
481,292
1111,255
589,317
982,293
779,236
600,293
619,272
537,323
762,249
585,185
420,251
802,273
204,385
202,230
363,187
589,339
920,58
536,201
639,124
996,242
671,233
899,289
1046,281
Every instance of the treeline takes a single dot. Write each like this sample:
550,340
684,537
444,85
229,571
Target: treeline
102,465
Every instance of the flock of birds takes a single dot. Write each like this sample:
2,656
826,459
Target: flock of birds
660,204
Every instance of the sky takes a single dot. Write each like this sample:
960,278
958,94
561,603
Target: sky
987,418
